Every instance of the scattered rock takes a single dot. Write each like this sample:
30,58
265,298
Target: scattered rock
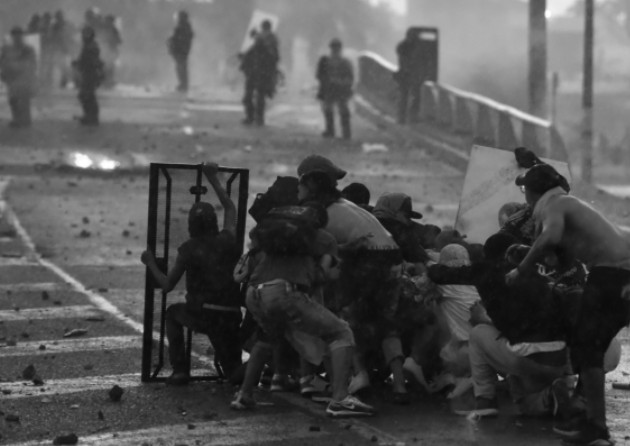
75,333
25,335
95,319
72,184
191,427
12,342
6,392
66,439
85,234
74,406
116,393
129,252
38,381
16,308
12,418
46,400
100,415
88,367
57,302
29,372
42,347
314,429
86,220
126,233
374,439
103,290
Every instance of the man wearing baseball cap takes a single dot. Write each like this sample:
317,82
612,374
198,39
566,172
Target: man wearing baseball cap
318,163
568,224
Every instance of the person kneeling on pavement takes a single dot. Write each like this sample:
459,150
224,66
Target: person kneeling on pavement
212,296
516,334
280,299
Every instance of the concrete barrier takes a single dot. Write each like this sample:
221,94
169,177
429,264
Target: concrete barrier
457,112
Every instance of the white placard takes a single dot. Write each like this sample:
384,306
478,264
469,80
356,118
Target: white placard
255,22
489,184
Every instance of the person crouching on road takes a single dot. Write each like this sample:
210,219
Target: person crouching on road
212,297
90,73
280,297
18,66
336,77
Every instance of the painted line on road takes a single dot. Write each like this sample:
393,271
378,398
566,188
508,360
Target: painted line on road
289,428
22,389
75,311
96,299
34,287
71,346
18,260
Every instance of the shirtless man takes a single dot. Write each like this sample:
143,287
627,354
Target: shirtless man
572,227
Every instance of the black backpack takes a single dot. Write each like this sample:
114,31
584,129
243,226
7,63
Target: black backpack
283,192
287,231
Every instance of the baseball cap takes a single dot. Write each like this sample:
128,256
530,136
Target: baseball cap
541,178
313,163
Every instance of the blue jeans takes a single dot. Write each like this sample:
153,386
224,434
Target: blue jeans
281,310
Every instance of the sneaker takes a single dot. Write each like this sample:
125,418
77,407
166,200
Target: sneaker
307,386
178,379
242,402
359,381
350,406
462,385
590,435
484,407
283,383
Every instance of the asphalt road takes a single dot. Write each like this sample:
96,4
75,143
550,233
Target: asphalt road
70,241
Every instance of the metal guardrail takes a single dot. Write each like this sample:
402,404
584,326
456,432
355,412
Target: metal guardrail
462,113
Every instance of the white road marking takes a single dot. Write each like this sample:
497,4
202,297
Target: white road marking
24,389
16,261
71,346
33,287
76,311
290,428
63,386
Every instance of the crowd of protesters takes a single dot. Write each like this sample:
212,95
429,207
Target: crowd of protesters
357,295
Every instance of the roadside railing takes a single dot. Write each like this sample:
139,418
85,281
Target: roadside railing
475,118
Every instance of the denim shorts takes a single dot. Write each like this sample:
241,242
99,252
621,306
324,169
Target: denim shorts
282,310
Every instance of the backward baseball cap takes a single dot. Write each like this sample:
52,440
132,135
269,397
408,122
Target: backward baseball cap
318,163
541,178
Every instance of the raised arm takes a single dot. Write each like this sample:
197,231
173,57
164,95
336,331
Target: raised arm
211,170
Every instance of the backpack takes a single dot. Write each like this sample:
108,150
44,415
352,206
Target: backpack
287,231
283,192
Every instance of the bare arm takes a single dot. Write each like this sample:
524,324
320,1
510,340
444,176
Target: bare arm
166,282
551,236
210,170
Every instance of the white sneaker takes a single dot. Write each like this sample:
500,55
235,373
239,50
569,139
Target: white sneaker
350,406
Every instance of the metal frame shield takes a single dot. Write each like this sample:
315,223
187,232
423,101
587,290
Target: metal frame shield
160,219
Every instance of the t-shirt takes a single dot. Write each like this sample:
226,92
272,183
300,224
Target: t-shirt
209,263
347,222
